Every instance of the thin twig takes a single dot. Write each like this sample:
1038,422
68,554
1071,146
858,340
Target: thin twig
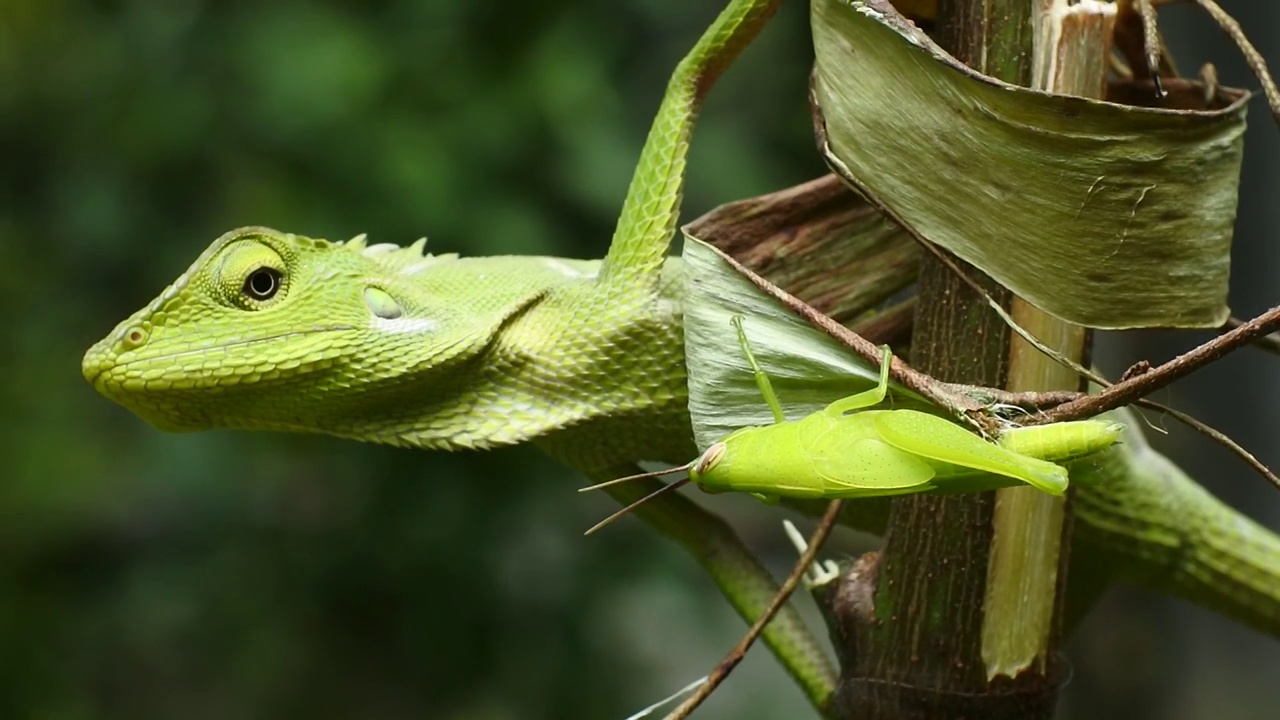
972,403
1130,389
1060,397
1151,43
1136,62
735,656
1024,399
1252,57
962,400
671,698
1217,436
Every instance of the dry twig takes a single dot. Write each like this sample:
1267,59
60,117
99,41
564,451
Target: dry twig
1252,57
1269,343
739,651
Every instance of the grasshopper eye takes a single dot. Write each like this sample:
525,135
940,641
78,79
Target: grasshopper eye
262,284
710,458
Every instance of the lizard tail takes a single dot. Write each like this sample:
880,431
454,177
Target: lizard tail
1176,537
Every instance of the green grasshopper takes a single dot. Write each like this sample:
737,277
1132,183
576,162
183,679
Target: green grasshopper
850,451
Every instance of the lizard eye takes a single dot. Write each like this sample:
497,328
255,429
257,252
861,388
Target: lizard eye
262,284
250,276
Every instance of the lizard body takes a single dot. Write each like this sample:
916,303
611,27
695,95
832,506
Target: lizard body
612,337
543,350
537,352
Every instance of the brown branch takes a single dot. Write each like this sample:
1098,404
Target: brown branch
1151,43
1057,406
1137,372
1269,343
1131,39
973,402
739,651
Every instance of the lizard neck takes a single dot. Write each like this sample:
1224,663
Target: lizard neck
572,369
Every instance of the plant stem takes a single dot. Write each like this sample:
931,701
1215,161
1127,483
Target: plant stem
1023,589
919,654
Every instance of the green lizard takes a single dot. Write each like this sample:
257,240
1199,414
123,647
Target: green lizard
274,331
583,358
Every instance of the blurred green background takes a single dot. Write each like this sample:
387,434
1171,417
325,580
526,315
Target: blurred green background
233,575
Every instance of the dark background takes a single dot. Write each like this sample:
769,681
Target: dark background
234,575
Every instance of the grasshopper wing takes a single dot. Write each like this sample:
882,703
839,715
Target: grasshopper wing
866,467
938,439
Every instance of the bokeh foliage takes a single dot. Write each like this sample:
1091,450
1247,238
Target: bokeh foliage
234,575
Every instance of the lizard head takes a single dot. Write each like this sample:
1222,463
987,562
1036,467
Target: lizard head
265,327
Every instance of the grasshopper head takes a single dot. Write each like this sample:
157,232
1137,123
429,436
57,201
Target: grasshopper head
704,471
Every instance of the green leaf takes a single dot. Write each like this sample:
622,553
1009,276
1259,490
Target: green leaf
808,368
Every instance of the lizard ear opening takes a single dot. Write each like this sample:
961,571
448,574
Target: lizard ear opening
381,304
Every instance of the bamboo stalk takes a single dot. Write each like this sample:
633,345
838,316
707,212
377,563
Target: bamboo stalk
1070,50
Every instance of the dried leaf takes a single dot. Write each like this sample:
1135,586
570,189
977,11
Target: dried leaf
1103,214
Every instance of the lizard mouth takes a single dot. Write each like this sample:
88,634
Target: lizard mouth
97,368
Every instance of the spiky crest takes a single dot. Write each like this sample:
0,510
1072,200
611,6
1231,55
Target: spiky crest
404,260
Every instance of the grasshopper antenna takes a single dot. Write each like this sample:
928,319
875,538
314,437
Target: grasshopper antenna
637,503
639,476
